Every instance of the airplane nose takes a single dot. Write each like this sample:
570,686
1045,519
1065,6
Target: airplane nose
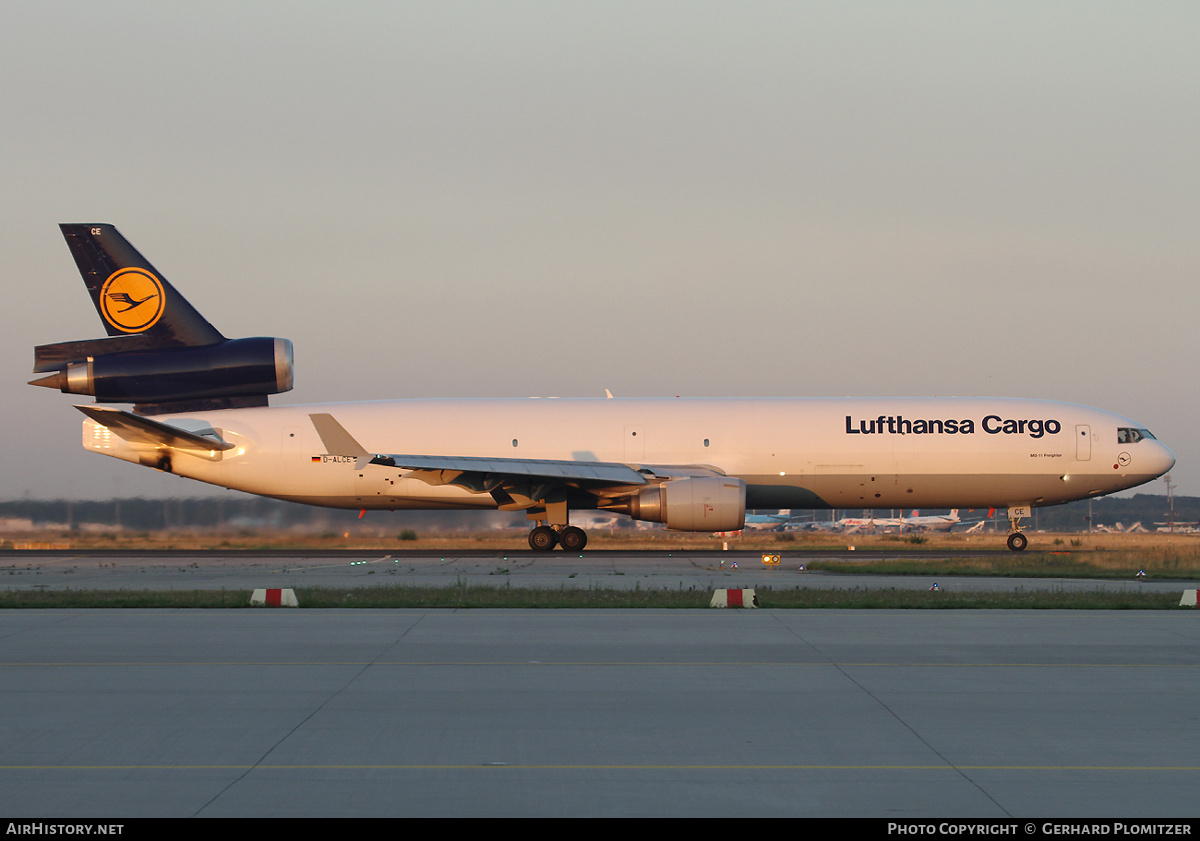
1162,459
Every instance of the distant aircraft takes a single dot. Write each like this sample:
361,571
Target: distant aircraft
932,522
1176,525
929,522
853,525
768,522
201,410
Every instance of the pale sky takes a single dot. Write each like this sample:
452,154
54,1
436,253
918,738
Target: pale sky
703,199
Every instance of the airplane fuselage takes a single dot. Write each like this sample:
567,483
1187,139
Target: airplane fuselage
792,453
200,409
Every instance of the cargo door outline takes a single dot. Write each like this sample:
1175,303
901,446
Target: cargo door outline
1083,442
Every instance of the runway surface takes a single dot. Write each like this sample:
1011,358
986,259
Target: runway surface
895,714
599,569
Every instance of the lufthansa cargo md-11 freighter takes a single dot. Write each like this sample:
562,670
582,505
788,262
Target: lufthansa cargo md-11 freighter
200,410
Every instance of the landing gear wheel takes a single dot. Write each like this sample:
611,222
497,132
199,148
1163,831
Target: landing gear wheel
572,539
1017,541
542,539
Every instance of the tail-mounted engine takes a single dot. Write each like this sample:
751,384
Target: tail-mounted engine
236,368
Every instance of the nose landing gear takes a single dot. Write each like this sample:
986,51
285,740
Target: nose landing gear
1017,541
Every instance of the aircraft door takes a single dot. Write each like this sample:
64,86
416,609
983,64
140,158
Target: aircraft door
1083,442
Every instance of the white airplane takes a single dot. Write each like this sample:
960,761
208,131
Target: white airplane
929,522
200,410
933,522
853,525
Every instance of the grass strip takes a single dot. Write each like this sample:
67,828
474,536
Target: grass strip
1104,565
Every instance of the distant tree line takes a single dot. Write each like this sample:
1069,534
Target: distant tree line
239,513
1150,510
251,512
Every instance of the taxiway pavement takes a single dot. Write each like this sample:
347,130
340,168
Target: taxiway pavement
896,714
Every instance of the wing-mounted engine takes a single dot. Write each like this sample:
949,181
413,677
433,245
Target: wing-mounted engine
698,503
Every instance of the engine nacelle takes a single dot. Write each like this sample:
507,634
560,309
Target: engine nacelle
716,503
233,368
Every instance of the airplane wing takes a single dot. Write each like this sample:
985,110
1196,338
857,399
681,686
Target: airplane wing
584,473
514,483
143,430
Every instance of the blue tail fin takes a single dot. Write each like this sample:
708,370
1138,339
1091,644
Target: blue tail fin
131,296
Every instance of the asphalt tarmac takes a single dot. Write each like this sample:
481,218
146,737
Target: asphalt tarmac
598,569
723,713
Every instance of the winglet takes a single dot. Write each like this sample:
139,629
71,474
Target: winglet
337,441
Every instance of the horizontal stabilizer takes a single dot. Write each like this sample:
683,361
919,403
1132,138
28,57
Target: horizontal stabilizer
143,430
57,356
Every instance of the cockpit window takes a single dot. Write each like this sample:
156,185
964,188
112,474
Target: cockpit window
1130,435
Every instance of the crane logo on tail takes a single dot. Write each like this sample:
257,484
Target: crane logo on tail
132,300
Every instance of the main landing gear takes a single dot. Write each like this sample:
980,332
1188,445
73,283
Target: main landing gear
544,538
